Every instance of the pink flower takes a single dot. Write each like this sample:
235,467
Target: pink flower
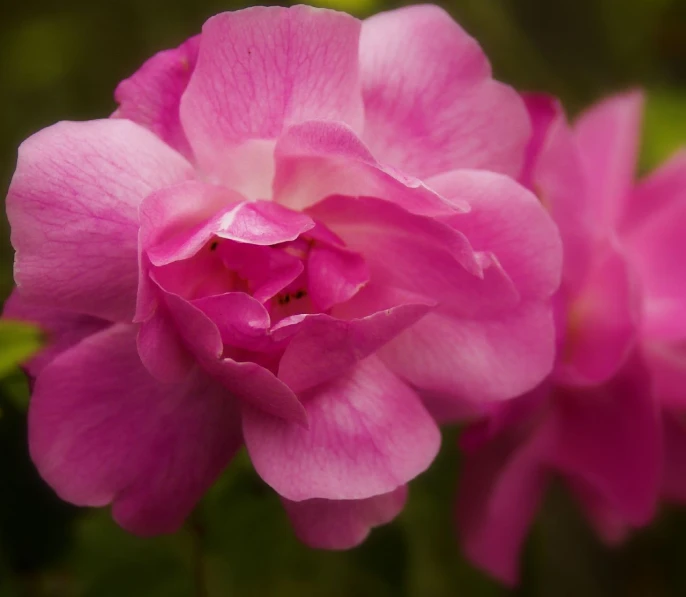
620,372
271,244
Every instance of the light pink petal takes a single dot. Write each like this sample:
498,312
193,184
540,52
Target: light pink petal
368,435
674,476
501,487
555,172
609,438
318,159
324,347
430,103
261,69
103,430
455,361
342,524
151,96
259,222
418,254
73,207
656,246
608,136
62,329
249,382
334,275
510,222
602,322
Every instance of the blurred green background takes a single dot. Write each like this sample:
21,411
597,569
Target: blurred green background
62,60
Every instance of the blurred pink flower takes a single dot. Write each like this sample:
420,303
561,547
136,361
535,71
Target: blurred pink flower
254,250
619,379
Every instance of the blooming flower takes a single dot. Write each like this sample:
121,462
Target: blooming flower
598,420
293,225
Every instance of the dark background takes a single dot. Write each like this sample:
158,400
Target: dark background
62,60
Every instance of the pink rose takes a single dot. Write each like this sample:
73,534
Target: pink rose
271,244
618,384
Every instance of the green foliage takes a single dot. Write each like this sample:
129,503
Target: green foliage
18,341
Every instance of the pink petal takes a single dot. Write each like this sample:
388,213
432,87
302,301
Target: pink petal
151,96
454,361
73,207
368,434
318,159
510,222
655,244
334,275
430,103
324,347
543,111
259,222
501,487
602,322
342,524
557,175
249,382
674,476
261,69
102,430
609,438
62,329
417,254
608,136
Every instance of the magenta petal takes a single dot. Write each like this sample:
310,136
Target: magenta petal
655,244
334,275
428,257
62,329
674,476
102,429
161,349
430,103
324,347
368,434
261,69
318,159
151,96
249,382
73,207
510,222
609,438
602,322
501,487
455,361
342,524
608,136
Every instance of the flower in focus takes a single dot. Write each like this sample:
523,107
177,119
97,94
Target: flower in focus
617,386
294,229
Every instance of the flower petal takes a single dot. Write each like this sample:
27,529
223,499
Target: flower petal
509,221
342,524
151,96
368,434
608,137
317,159
609,438
73,207
430,103
261,69
102,429
454,361
501,487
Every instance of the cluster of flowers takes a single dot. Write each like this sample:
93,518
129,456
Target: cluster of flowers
320,238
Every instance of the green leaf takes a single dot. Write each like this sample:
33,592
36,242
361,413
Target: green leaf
18,341
665,126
